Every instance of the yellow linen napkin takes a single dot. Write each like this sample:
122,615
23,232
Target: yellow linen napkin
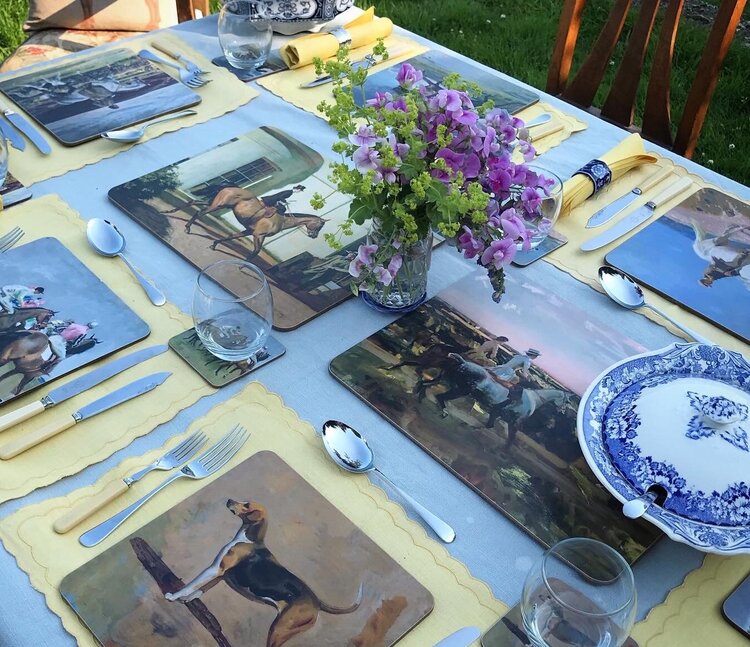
363,30
460,598
628,154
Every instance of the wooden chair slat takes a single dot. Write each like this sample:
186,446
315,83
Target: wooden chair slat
620,103
657,121
565,43
583,87
704,84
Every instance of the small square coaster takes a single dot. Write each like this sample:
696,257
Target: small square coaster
549,244
509,632
215,371
273,64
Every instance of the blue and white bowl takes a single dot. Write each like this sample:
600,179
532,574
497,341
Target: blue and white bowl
678,418
294,16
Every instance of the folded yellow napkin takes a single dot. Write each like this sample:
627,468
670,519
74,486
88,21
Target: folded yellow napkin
363,30
628,154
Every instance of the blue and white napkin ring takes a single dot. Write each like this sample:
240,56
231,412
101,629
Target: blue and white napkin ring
598,172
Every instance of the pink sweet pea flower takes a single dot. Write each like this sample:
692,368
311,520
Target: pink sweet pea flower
382,275
499,253
470,245
366,159
362,260
395,265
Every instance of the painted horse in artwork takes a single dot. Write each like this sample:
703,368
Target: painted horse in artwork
32,355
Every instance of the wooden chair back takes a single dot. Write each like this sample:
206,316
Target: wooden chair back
619,106
186,9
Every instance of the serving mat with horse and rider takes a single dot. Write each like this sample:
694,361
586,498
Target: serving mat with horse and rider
491,393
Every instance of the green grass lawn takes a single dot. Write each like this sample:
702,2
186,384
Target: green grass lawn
517,38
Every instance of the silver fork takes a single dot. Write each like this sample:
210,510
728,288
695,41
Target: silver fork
11,238
191,79
172,458
205,465
189,65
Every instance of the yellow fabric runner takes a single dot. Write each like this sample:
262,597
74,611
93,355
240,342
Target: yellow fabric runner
569,124
94,440
691,614
585,265
460,599
363,30
224,94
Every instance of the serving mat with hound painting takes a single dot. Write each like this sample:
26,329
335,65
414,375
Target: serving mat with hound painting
489,391
257,557
249,198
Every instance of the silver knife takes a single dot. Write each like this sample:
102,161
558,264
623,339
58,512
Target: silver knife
123,394
461,638
26,128
367,62
12,135
618,206
79,385
638,216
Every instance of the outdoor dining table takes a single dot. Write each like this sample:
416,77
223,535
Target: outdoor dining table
488,543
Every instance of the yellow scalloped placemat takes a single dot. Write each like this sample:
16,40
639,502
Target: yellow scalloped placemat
224,94
94,440
584,266
691,614
46,557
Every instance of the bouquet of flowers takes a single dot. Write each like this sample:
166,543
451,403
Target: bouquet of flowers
429,159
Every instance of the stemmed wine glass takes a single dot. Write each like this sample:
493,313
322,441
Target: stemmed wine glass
580,593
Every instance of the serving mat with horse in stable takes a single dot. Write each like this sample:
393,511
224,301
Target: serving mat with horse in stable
491,392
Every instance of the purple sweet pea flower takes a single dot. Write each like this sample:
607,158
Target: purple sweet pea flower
382,275
499,253
515,229
471,166
448,100
401,150
470,245
395,264
490,145
531,200
527,150
453,160
365,136
380,100
366,159
408,76
362,260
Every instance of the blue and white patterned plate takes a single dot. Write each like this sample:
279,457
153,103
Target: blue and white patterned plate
678,418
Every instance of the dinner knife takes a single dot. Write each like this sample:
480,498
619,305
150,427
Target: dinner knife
367,62
123,394
618,206
26,128
638,216
79,385
12,135
461,638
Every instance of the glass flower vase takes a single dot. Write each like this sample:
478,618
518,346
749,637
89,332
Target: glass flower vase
408,289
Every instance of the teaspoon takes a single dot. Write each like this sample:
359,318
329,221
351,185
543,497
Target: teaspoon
130,135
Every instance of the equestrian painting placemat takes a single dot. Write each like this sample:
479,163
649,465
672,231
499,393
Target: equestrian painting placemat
249,198
700,258
256,557
80,99
55,317
492,393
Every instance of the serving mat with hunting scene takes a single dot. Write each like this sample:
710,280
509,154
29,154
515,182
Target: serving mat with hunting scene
300,568
704,258
249,198
492,392
55,317
79,100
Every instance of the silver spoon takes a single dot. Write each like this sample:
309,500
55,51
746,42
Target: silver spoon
130,135
538,121
637,507
350,451
626,292
107,240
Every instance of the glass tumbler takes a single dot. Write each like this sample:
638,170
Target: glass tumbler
580,593
245,33
550,190
3,159
233,310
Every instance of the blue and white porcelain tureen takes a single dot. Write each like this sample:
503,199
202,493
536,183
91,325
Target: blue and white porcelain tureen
678,419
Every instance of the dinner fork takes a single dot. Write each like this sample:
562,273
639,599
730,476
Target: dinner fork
11,238
189,65
191,79
212,460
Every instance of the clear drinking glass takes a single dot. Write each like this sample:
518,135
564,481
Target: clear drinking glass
245,33
579,593
3,159
233,310
543,220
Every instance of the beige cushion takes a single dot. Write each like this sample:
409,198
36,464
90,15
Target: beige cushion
110,15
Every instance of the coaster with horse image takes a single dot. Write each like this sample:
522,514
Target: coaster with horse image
218,372
55,317
249,198
257,557
492,392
